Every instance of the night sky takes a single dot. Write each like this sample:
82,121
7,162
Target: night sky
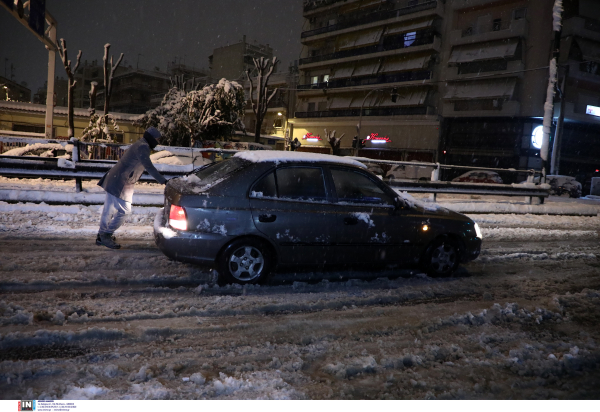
161,31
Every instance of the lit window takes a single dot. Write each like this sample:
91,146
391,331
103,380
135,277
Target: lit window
537,137
409,38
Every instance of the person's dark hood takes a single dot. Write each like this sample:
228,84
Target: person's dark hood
152,142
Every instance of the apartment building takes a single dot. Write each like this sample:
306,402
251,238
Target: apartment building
11,90
371,65
232,61
457,81
580,51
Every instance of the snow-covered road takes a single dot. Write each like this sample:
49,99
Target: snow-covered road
80,321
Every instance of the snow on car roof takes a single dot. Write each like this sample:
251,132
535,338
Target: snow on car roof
278,156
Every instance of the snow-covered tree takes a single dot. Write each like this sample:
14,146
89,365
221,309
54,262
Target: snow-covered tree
209,113
99,127
334,142
62,51
264,68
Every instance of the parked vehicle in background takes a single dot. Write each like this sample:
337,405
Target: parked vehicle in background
55,150
401,172
479,176
180,157
263,209
564,186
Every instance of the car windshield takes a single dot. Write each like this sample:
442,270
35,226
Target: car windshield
216,171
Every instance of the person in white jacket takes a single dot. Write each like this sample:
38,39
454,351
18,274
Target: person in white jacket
119,184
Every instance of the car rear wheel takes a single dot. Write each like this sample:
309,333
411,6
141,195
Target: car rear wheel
441,258
245,261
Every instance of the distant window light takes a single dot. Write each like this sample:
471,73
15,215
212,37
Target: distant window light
409,38
326,78
520,13
314,79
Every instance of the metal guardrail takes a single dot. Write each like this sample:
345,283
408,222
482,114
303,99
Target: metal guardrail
435,186
17,166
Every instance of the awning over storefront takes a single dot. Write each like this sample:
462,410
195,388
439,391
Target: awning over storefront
395,64
408,27
405,98
343,72
366,69
589,49
484,51
341,102
481,89
364,38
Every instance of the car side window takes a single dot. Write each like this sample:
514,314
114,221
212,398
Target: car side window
304,183
354,187
265,187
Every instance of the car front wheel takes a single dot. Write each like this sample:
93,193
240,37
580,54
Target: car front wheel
441,258
245,261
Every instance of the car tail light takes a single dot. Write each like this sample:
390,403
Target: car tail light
177,218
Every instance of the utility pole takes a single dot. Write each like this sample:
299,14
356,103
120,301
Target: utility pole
549,105
555,162
45,35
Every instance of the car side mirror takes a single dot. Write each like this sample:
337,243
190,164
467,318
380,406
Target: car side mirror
400,204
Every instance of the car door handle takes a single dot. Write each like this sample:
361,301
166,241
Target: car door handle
267,218
350,220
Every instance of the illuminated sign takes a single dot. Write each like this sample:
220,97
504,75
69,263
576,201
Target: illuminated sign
309,136
537,137
375,138
593,110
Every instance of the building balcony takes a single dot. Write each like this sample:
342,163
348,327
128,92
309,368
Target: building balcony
313,5
513,28
395,111
452,73
409,7
582,27
474,109
369,80
422,41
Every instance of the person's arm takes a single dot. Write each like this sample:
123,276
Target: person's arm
145,159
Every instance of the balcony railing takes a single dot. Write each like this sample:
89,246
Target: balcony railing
364,81
394,111
313,4
494,26
391,43
411,6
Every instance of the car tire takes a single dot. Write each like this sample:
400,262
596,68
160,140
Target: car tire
245,261
441,258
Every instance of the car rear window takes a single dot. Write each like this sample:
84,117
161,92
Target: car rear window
216,171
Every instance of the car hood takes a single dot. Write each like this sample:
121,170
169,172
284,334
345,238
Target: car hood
436,211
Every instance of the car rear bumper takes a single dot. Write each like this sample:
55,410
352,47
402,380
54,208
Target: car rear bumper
472,249
193,247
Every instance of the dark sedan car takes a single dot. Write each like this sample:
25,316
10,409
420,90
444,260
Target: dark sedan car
262,209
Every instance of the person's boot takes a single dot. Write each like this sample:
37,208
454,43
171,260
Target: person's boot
108,240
